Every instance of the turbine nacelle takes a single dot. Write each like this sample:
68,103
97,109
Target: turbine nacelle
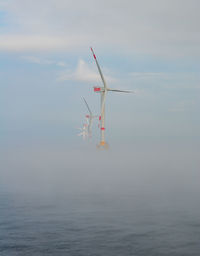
91,117
99,89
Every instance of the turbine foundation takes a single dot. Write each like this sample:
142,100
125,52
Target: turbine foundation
103,145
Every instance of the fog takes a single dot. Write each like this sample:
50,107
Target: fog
165,170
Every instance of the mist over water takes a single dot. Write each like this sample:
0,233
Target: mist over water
130,200
58,194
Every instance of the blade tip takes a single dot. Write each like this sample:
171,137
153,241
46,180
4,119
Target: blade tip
93,53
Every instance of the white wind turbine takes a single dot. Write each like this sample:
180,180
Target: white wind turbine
103,90
84,131
90,118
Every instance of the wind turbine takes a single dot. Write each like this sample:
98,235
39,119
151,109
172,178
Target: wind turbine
90,118
103,90
84,131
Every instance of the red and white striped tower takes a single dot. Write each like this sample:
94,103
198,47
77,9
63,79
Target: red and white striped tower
102,127
103,91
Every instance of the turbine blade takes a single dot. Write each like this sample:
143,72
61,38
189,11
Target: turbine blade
102,77
113,90
87,106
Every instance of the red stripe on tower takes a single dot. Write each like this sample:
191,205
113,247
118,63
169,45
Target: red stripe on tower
102,128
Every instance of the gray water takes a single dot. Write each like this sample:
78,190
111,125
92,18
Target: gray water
97,225
136,202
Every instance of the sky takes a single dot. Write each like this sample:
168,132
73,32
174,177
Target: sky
149,46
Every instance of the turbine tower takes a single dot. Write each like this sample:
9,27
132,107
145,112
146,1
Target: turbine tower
103,90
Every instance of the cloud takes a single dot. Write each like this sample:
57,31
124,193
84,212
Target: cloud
36,60
24,43
32,42
83,73
149,75
187,80
61,64
32,59
148,27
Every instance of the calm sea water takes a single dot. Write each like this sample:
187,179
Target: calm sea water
98,224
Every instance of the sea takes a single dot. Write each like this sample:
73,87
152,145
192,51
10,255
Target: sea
137,202
98,224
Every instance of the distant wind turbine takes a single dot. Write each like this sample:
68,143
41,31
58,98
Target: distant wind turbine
90,118
84,131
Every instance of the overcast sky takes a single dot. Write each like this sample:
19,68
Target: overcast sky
149,46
